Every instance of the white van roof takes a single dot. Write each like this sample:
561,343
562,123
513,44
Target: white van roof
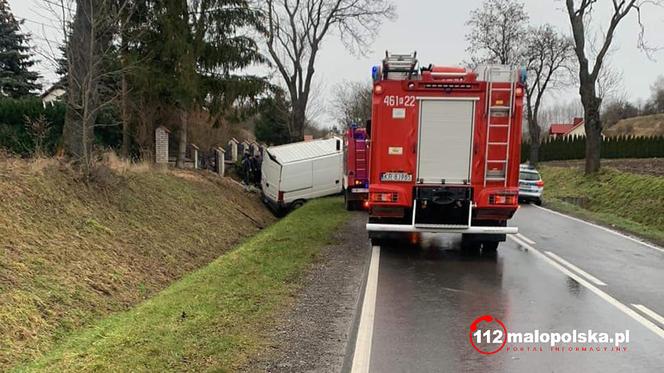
300,151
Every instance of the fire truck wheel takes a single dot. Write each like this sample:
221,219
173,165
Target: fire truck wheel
490,247
350,205
469,247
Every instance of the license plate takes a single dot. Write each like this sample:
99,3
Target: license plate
360,190
400,177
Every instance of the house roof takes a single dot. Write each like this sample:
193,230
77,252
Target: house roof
560,129
51,89
565,129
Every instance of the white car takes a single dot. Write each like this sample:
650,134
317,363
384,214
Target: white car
531,185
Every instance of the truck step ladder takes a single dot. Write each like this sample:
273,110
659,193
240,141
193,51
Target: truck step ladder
399,66
491,172
361,159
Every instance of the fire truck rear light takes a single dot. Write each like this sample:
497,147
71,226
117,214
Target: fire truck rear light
384,197
500,199
378,89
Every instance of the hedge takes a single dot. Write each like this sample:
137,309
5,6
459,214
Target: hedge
16,137
612,147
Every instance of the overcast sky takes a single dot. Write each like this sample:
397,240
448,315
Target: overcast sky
433,28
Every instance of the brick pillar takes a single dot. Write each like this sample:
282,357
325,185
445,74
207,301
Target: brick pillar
220,161
161,145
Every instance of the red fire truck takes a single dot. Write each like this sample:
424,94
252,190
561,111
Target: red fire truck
356,168
445,150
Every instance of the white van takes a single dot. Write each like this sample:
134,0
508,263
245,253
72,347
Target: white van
295,173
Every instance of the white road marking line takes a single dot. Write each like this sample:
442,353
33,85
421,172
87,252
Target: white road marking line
613,301
603,228
526,239
653,315
362,354
571,266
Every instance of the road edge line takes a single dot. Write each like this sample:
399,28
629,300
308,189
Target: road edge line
578,270
362,353
526,239
611,300
631,238
354,325
652,314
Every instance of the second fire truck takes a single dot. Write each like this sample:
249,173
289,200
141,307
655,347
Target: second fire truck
445,150
356,168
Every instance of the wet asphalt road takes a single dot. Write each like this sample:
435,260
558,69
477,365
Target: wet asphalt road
426,299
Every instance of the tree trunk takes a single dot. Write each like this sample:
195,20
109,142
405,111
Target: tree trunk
592,126
593,129
534,133
83,54
182,140
299,118
124,151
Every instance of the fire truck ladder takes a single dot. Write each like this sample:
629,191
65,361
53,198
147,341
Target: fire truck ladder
402,65
361,161
497,174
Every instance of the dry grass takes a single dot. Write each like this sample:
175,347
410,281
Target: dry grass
214,319
647,125
624,200
71,253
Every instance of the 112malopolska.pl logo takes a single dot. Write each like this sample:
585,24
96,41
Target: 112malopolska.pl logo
489,335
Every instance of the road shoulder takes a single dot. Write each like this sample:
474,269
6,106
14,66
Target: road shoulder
313,334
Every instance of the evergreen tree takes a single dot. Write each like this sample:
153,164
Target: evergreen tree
189,55
16,79
272,123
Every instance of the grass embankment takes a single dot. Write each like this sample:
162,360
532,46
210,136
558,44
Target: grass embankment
215,318
630,202
72,253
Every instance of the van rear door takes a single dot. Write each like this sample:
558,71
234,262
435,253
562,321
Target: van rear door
297,180
271,172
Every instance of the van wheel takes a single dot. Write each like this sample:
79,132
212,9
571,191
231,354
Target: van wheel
297,204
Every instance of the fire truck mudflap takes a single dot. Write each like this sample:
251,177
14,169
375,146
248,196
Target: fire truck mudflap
445,149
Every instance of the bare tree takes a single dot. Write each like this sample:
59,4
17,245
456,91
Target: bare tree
561,112
498,30
546,56
352,103
657,97
580,16
294,32
89,27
